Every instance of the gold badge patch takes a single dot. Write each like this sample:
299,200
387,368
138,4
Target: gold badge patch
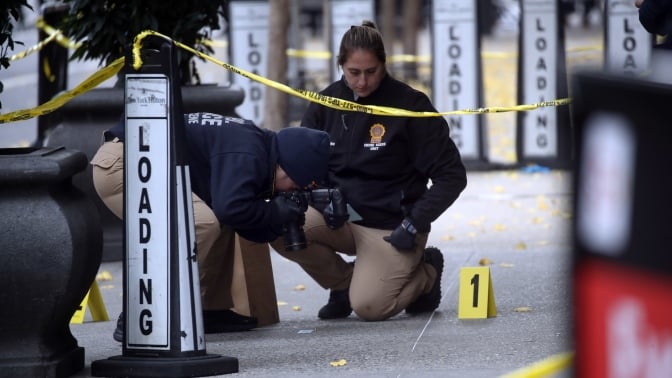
377,131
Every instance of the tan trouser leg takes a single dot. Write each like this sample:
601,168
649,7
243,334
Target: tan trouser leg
215,246
384,280
320,259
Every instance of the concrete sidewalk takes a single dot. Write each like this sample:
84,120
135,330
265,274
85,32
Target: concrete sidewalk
518,221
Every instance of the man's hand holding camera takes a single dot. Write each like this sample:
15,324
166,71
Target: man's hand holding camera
286,210
291,208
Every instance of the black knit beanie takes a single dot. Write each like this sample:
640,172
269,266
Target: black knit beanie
303,154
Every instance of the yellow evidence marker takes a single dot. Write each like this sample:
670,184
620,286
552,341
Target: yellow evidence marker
476,297
94,300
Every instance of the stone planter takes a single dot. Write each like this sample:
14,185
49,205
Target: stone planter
87,116
51,249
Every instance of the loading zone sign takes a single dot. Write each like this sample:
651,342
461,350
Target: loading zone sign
628,44
539,80
456,69
249,46
147,211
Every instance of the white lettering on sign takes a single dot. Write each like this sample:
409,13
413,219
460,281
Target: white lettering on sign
539,69
628,44
147,212
456,69
249,45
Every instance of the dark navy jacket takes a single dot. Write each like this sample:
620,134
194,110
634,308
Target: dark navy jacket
232,165
384,163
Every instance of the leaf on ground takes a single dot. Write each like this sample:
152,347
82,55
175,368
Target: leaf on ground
506,265
521,246
336,363
485,261
296,308
499,227
522,309
299,287
282,303
476,222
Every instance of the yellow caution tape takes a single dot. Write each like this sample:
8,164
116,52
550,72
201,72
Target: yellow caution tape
60,38
336,103
332,102
308,54
215,43
37,47
91,82
545,367
53,34
408,58
46,68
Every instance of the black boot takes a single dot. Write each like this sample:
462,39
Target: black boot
214,321
338,305
219,321
430,301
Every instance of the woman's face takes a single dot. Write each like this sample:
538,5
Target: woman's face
363,72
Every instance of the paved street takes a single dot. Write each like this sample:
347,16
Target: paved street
516,222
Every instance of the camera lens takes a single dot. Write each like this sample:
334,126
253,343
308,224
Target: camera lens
295,238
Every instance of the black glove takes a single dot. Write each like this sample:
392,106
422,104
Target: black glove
285,210
334,221
403,237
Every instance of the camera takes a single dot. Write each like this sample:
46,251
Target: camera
329,200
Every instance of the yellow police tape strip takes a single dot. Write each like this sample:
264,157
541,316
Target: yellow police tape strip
426,59
37,47
333,102
91,82
543,368
60,38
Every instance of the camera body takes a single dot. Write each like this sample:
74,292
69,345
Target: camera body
322,199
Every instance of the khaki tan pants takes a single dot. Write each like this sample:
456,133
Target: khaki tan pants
383,280
216,246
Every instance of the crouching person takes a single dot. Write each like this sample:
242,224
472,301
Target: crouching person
236,171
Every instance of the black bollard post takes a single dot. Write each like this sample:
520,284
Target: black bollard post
52,69
163,334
